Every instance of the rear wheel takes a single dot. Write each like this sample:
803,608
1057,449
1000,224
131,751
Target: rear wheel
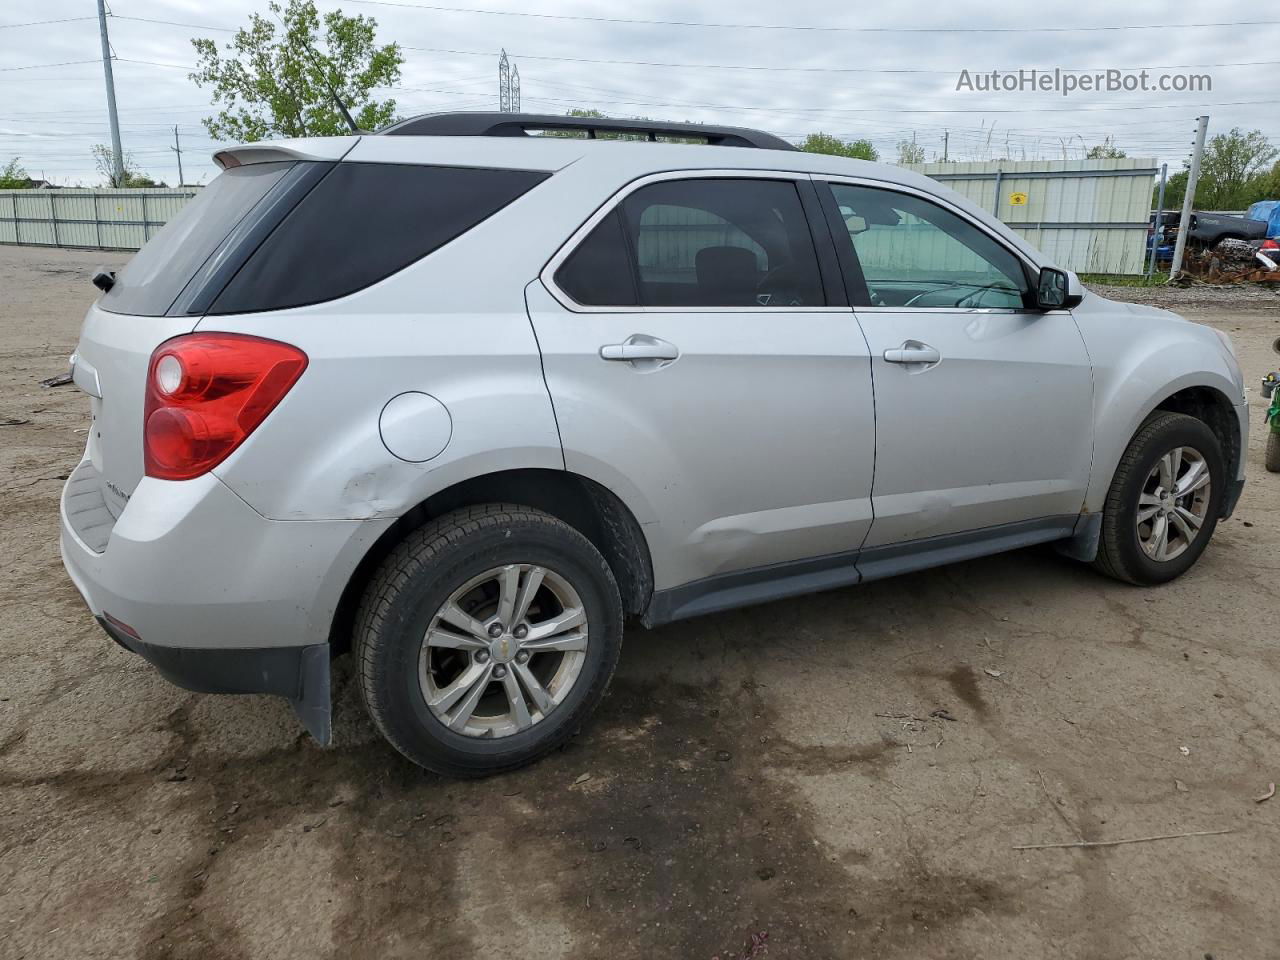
486,638
1164,501
1273,452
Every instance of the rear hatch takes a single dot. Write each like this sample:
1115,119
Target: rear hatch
162,292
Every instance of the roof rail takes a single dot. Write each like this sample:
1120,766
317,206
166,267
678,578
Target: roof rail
490,124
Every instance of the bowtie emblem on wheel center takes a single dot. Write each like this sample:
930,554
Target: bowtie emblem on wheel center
503,649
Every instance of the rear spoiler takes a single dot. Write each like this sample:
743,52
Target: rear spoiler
267,151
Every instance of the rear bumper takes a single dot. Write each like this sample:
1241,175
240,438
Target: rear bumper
300,674
219,598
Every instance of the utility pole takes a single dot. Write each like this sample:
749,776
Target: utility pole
117,152
946,136
177,148
1202,125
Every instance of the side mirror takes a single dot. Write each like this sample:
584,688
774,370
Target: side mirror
1055,291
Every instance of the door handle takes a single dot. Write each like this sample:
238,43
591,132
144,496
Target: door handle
913,351
640,346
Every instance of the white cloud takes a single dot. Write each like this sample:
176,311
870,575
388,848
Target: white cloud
53,116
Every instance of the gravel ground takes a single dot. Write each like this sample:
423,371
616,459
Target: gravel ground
1197,297
754,773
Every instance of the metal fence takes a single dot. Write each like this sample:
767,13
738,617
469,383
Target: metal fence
105,219
1086,215
1090,216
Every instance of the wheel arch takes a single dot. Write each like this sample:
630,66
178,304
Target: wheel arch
1201,397
586,505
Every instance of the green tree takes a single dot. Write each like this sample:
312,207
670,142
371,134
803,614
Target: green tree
1106,150
1265,186
104,160
275,81
13,176
1174,190
834,146
1231,160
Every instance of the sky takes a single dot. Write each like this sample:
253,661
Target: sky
884,72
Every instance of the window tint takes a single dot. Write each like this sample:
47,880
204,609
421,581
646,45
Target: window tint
598,272
362,223
699,243
722,243
155,276
915,253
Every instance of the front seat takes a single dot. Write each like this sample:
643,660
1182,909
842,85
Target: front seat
727,276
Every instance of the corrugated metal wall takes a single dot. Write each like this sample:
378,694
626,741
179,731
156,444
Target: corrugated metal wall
109,219
1086,215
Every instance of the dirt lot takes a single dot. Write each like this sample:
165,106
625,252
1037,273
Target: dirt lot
748,775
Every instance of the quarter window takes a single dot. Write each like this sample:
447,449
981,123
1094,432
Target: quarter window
915,253
700,243
599,271
362,223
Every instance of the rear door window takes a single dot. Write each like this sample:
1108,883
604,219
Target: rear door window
723,243
362,223
152,280
699,243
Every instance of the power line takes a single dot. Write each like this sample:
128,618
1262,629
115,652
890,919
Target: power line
1087,108
174,23
43,66
746,66
41,23
774,69
808,27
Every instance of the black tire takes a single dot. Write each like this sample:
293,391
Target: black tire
415,581
1120,554
1272,459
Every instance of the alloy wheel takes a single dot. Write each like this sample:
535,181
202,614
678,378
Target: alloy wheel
503,651
1173,504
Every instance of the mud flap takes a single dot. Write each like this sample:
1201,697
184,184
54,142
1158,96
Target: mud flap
1083,543
314,707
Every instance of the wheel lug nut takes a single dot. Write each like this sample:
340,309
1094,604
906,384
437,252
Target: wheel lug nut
499,671
495,630
482,656
522,656
521,631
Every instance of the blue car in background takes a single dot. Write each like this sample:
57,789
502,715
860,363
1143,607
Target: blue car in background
1268,210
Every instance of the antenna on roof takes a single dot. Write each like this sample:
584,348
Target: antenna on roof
324,78
333,94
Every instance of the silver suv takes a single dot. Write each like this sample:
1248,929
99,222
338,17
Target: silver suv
460,399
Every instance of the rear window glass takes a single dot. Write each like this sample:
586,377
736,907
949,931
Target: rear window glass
152,280
362,223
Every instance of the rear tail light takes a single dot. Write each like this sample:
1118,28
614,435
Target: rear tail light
206,392
1270,246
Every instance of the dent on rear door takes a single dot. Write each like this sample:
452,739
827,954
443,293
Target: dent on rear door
754,447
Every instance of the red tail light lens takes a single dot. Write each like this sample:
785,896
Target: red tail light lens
206,392
1271,246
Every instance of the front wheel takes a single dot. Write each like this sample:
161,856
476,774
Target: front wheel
1164,501
1273,452
486,638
